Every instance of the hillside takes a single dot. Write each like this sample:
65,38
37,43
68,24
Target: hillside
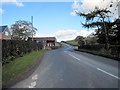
72,42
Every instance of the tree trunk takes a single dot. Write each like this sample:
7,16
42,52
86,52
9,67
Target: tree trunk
106,35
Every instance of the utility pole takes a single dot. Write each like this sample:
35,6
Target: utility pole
32,26
118,9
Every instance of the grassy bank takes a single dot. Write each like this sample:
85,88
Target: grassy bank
20,65
73,42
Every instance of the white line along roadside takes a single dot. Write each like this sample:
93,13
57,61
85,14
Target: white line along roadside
108,73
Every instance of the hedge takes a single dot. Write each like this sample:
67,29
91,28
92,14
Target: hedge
113,49
15,48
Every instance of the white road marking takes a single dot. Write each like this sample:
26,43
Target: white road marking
108,73
33,84
35,77
97,68
74,57
65,51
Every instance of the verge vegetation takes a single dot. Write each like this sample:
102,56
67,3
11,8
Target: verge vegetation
11,70
97,49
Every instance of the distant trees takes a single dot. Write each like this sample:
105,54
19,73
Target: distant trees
86,40
80,40
21,30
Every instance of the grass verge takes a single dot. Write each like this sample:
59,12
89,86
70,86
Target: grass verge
20,65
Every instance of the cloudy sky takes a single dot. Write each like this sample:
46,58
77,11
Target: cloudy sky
53,18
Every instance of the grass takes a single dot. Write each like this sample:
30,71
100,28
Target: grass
19,65
72,42
75,47
57,44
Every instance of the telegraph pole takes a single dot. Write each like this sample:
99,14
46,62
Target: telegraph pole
118,9
32,26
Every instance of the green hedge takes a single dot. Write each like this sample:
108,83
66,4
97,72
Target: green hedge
15,48
114,50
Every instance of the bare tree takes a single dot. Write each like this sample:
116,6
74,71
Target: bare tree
22,30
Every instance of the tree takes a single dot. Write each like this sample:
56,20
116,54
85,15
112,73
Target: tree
80,40
96,18
21,30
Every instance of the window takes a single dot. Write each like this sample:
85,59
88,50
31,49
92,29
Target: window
6,33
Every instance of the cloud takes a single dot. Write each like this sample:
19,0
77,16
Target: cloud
12,1
89,5
75,4
75,7
74,13
64,35
19,4
43,35
1,10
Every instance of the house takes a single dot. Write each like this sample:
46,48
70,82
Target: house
46,41
5,33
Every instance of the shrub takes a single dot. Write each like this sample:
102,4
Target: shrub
15,48
7,60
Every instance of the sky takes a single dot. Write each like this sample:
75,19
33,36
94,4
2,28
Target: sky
51,18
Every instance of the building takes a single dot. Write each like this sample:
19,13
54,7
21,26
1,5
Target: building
46,41
5,33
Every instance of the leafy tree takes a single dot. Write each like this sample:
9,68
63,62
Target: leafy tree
90,41
80,40
21,30
96,18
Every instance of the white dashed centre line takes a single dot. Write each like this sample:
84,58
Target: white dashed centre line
97,68
108,73
74,57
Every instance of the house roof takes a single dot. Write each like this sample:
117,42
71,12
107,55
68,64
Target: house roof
44,38
3,28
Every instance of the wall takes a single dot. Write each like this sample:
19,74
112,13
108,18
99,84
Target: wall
0,36
5,36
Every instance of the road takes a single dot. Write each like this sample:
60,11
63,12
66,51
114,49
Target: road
66,68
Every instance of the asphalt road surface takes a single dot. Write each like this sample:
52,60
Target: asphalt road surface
66,68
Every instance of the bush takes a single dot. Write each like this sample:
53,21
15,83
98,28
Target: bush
8,59
21,55
114,50
17,48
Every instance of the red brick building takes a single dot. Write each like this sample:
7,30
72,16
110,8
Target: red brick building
5,33
46,41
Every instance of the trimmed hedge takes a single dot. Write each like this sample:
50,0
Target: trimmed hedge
15,48
114,50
